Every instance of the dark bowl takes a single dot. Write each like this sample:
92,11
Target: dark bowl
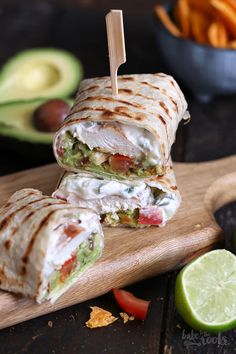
206,71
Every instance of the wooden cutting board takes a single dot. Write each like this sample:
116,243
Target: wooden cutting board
132,255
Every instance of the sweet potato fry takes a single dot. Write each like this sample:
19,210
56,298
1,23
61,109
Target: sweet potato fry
217,35
226,13
201,5
183,11
166,20
199,25
232,44
231,3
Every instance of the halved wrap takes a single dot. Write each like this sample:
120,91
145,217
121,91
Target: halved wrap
45,244
128,136
134,203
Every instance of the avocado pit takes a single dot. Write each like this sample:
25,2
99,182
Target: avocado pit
49,116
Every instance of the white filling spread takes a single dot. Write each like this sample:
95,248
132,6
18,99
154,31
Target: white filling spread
105,195
117,138
168,203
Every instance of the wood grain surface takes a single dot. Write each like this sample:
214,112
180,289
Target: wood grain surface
133,255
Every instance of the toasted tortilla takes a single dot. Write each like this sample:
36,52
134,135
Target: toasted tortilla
34,245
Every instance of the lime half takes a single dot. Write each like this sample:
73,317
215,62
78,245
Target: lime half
205,292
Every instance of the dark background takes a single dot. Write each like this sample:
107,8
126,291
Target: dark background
79,26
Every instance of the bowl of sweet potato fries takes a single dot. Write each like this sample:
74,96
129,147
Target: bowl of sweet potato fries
196,39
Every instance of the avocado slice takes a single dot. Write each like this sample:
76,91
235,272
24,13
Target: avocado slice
16,121
39,73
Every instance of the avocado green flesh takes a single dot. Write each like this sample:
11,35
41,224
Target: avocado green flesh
40,73
16,121
78,155
85,257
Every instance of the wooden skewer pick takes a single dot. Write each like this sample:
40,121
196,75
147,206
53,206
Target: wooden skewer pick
116,45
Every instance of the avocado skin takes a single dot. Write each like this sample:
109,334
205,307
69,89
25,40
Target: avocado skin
16,122
67,66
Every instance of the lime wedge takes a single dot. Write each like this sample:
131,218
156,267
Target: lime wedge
205,292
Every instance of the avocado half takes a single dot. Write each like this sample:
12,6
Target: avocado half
16,121
39,73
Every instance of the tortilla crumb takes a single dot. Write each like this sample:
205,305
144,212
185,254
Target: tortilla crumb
100,318
126,317
50,324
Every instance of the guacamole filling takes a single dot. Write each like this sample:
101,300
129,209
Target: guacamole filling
76,154
125,217
86,254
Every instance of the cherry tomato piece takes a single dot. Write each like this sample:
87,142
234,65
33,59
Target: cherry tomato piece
131,304
120,163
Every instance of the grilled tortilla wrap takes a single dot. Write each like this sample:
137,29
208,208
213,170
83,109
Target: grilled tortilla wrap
133,203
125,137
45,244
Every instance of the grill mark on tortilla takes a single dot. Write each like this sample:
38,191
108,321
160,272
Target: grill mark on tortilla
164,122
43,222
5,222
174,103
128,91
111,99
157,88
162,119
143,96
29,215
8,204
107,114
68,120
150,85
7,244
171,99
88,89
126,78
163,106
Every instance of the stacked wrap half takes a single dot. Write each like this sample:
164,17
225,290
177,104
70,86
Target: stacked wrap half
45,244
116,150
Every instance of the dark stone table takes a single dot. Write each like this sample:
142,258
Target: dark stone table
79,26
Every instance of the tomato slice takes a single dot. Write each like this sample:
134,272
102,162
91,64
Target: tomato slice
150,216
131,304
60,151
72,230
120,163
67,268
